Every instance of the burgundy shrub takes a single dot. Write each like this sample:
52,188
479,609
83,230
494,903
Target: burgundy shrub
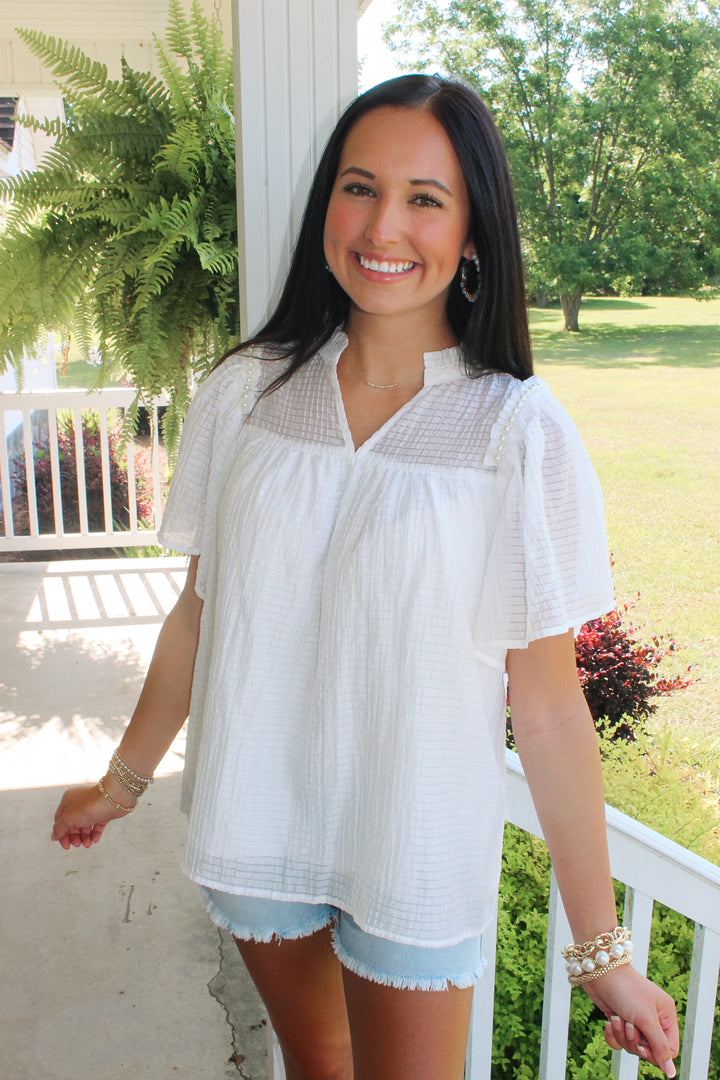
619,675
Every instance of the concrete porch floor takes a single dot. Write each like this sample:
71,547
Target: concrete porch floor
111,968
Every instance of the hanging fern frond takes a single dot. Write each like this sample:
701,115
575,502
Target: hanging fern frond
142,88
127,233
130,421
179,32
84,324
182,153
48,126
68,63
217,262
178,84
207,38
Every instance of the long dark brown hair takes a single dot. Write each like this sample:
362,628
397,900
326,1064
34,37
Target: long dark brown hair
493,332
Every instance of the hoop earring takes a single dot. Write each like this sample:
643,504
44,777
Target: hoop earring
471,297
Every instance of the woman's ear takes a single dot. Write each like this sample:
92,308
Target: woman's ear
469,251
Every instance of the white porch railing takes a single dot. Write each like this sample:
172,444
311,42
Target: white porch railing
652,868
28,424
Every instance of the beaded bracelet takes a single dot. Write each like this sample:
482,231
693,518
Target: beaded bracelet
132,781
594,958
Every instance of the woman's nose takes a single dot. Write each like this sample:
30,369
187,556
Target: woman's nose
384,223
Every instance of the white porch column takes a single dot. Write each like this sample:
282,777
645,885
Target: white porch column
295,70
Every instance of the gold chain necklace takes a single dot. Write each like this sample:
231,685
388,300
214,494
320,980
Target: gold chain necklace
380,386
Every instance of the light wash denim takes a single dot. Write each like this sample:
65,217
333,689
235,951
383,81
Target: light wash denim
406,967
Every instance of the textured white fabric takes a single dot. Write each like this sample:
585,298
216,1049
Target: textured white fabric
347,721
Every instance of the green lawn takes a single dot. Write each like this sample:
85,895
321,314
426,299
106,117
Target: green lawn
642,381
79,373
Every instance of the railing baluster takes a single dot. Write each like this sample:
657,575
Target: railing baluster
700,1011
80,466
5,479
638,916
479,1054
131,486
55,470
157,503
30,472
105,464
556,999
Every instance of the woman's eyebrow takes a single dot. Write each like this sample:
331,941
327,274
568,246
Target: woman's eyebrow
431,183
361,172
416,183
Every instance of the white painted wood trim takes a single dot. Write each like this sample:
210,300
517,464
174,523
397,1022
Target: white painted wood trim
30,472
556,994
295,70
80,465
105,463
5,479
479,1053
700,1010
637,915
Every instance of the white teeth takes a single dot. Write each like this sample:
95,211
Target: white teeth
385,267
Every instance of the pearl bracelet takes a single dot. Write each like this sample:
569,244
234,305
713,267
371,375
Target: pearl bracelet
133,782
594,958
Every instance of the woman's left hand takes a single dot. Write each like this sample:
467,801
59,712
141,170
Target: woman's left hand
641,1017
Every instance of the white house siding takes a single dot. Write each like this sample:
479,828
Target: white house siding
295,70
105,30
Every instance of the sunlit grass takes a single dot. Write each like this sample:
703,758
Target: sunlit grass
642,381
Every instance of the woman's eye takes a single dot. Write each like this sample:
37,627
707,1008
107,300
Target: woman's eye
426,200
358,189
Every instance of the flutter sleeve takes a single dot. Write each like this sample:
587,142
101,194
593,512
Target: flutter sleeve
548,569
209,438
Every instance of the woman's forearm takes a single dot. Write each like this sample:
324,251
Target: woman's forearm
558,747
562,765
165,698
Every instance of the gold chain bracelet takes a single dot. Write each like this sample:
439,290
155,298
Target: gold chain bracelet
117,805
594,958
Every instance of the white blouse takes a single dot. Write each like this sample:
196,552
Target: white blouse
346,740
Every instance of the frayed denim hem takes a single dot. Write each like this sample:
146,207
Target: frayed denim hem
244,933
404,982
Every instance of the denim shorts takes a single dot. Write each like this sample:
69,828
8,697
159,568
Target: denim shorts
406,967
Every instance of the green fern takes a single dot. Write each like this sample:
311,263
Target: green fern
126,236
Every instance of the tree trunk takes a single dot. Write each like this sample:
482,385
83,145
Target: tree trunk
571,309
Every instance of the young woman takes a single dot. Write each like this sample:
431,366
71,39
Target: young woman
387,516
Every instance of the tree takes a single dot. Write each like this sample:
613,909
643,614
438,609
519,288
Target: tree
127,234
609,116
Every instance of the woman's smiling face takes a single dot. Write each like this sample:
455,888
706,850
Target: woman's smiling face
398,217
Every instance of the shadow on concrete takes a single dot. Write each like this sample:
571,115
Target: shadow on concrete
79,685
76,640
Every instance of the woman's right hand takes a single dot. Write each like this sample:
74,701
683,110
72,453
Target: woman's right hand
83,813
